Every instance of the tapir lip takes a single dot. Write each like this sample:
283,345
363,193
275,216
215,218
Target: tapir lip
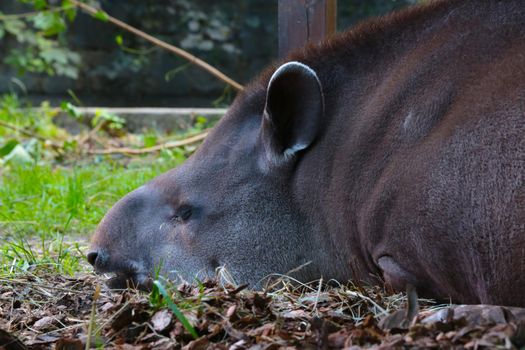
141,281
128,276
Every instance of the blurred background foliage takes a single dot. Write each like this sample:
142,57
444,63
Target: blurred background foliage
48,48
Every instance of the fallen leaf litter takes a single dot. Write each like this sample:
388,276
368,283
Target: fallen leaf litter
49,311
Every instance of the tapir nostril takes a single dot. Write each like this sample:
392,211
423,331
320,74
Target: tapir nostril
92,257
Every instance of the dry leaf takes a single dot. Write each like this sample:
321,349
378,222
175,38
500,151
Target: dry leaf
199,344
44,323
162,320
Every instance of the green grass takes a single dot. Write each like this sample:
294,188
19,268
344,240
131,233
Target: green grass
48,212
40,200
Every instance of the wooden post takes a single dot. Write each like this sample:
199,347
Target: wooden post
301,21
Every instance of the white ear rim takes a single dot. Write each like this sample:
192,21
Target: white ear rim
291,151
293,66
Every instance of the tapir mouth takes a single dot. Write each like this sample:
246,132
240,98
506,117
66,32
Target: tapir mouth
141,281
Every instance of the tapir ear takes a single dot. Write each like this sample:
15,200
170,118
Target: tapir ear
293,112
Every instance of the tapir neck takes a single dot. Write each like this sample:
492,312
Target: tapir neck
360,135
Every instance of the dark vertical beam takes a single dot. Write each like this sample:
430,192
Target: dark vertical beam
302,21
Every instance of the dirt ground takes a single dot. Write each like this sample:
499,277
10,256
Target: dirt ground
46,311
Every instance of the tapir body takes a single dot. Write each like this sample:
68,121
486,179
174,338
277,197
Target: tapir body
393,153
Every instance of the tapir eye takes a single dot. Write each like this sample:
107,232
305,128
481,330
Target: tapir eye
183,213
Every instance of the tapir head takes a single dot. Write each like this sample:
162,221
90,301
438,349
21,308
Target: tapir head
232,203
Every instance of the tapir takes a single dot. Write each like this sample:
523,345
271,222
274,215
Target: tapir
392,153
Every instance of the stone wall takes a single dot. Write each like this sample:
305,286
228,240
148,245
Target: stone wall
237,36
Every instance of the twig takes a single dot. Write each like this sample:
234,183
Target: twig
20,130
173,144
91,323
112,317
98,140
90,134
174,49
317,295
32,284
364,297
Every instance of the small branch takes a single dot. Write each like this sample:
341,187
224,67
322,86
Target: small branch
20,130
92,320
90,134
176,50
173,144
33,285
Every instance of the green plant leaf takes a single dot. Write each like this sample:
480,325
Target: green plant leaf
54,54
14,26
39,4
101,16
150,140
18,155
119,40
70,109
8,147
69,10
113,120
49,22
180,316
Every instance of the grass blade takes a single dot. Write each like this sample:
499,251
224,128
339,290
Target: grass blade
180,316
